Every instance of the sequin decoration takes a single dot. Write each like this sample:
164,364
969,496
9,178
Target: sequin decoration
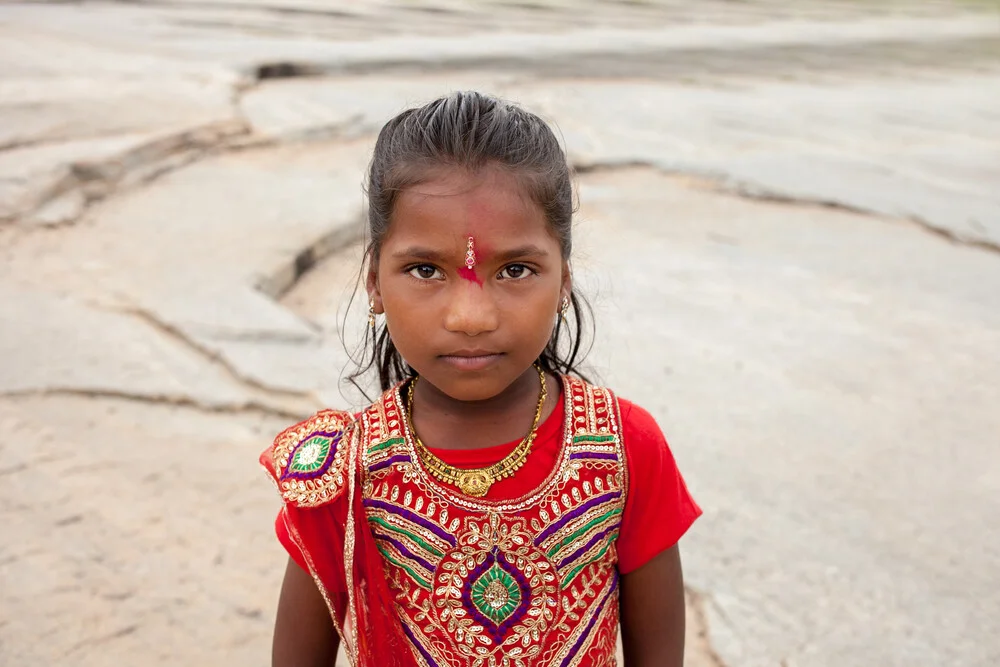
495,588
307,461
312,456
498,596
481,583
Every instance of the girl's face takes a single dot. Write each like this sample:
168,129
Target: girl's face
469,316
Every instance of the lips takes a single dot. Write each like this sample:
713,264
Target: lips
475,352
472,360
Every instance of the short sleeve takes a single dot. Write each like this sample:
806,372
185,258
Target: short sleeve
285,537
658,509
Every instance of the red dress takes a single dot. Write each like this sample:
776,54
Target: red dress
527,575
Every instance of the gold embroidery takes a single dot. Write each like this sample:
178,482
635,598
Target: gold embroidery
308,459
501,593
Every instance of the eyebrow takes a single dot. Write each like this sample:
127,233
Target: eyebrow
418,252
521,252
431,255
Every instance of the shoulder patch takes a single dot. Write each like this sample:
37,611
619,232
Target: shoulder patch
594,409
308,461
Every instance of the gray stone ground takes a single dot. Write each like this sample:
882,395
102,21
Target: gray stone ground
789,226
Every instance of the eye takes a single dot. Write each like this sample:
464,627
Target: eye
515,272
424,272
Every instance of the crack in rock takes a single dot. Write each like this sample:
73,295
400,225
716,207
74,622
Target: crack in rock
654,61
247,407
74,187
203,5
212,356
279,282
756,193
724,184
286,70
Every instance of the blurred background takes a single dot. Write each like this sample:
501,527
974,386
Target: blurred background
789,229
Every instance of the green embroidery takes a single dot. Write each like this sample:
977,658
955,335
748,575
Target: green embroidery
577,439
496,594
311,454
385,445
405,533
420,581
583,530
576,570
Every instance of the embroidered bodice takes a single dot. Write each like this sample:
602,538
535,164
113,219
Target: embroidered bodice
528,581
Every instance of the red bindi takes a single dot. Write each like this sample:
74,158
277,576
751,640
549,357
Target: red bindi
470,275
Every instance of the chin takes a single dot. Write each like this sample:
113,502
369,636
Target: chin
467,386
483,386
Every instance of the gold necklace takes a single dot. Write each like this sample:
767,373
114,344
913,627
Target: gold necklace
476,482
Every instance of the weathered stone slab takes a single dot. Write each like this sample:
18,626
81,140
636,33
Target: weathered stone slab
187,250
53,183
76,106
53,344
870,187
862,146
345,107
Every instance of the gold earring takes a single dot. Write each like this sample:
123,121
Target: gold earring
371,314
564,308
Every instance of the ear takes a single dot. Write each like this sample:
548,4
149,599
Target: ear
371,286
566,289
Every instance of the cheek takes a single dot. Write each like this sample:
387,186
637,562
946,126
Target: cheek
536,309
400,307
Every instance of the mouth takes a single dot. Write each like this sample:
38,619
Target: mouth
471,360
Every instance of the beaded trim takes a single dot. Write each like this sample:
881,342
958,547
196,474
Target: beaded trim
308,460
504,506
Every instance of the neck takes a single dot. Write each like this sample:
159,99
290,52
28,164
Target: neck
447,423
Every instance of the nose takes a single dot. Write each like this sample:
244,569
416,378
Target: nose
471,311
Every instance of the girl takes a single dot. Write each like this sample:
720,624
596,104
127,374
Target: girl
492,508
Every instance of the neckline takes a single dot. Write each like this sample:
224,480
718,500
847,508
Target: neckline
485,456
456,497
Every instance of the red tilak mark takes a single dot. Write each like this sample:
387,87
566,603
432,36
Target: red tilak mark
470,275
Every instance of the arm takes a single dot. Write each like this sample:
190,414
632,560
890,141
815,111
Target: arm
304,635
652,612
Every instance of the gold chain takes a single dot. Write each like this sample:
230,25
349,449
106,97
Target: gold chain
476,482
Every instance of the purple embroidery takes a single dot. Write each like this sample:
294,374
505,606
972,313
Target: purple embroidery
594,455
403,550
590,626
289,473
417,645
399,458
569,516
411,516
497,632
584,549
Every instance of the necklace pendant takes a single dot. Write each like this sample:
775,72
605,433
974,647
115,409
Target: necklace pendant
475,483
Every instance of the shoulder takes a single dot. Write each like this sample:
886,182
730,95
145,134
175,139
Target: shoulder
603,409
659,508
643,440
638,424
592,409
308,461
600,409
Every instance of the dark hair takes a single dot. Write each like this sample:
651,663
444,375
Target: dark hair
470,130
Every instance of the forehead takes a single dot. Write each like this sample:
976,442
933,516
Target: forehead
490,205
